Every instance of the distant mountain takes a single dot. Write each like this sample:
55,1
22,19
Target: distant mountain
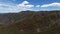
8,18
42,22
12,17
37,22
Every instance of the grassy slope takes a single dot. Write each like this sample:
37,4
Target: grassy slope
30,24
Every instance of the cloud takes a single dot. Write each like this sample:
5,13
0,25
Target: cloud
37,5
6,8
1,4
25,4
52,4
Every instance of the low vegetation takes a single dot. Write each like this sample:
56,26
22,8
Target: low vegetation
30,22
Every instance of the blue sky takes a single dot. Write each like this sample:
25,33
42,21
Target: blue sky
7,6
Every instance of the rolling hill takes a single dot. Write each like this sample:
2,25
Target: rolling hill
31,22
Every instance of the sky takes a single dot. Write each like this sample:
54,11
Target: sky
14,6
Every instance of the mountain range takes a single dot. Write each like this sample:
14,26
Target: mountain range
30,22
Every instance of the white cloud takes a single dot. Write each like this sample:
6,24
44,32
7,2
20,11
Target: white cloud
5,8
15,8
52,4
37,5
1,4
29,6
25,4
